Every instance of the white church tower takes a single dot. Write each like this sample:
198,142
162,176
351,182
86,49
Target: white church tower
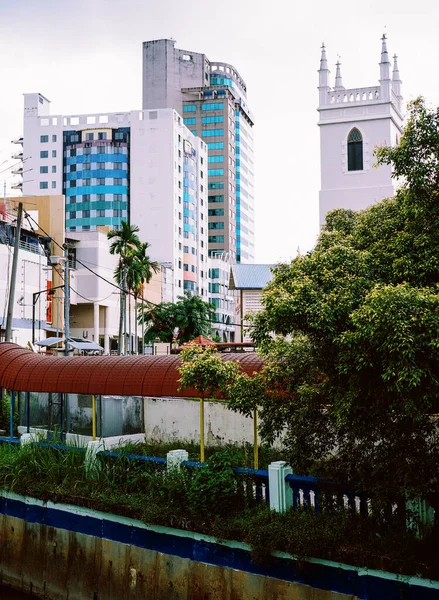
352,123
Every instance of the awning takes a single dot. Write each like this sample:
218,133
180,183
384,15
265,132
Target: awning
49,342
156,376
84,345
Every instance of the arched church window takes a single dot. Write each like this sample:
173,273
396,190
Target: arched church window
355,150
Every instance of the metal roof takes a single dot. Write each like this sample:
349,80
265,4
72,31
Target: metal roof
156,376
250,277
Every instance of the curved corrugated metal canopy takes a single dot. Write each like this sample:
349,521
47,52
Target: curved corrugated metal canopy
22,370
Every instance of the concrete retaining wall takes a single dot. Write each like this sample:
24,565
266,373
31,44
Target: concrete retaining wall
62,551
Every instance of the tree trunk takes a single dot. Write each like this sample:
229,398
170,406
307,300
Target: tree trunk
130,341
136,338
143,327
121,313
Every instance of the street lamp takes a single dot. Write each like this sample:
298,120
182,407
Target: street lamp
35,297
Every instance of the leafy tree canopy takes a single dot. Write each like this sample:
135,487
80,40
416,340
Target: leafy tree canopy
350,334
190,315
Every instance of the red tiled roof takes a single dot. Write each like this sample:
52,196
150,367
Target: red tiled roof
157,376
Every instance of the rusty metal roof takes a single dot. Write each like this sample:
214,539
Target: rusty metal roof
157,376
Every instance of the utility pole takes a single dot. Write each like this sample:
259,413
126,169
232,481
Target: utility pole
8,336
66,299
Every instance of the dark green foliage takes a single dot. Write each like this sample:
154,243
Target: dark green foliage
190,316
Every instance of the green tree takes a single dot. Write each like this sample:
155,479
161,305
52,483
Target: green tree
349,333
124,242
190,315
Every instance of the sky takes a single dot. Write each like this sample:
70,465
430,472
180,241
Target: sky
86,56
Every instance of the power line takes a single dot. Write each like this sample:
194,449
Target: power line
128,292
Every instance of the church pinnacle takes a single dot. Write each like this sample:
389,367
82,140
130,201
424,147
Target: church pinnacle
338,79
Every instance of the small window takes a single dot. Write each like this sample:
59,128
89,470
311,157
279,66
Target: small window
53,168
100,181
53,185
54,153
100,213
101,198
89,137
86,214
44,185
44,169
116,181
72,214
355,150
44,139
102,135
53,138
44,154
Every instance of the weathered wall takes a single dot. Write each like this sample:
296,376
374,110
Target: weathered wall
60,551
172,419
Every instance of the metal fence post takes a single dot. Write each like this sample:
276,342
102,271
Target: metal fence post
281,497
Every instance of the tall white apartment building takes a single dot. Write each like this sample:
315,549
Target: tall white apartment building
144,167
352,123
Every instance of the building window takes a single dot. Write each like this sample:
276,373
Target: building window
215,172
86,151
218,225
87,182
102,135
117,166
216,199
101,197
44,185
118,136
100,181
44,154
86,214
86,198
44,169
86,167
53,168
100,213
89,137
116,181
118,197
53,185
190,121
216,159
215,146
216,212
44,139
189,108
53,138
54,153
86,228
216,185
212,132
214,119
72,214
355,150
212,106
117,213
72,168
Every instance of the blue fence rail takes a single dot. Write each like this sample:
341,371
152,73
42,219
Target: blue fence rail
307,493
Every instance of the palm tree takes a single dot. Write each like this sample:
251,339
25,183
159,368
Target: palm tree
125,241
147,268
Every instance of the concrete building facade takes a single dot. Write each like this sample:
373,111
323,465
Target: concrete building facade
144,167
212,97
353,122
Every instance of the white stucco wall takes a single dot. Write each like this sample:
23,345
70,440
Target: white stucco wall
172,419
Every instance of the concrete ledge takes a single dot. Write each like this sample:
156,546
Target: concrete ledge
47,534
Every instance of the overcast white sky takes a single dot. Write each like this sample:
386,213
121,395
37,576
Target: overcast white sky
85,56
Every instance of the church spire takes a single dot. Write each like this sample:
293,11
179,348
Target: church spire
384,70
396,81
324,72
338,80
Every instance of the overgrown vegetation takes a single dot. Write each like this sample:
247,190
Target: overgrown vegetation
216,501
349,336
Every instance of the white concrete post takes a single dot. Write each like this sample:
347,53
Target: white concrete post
26,438
281,497
174,458
91,462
